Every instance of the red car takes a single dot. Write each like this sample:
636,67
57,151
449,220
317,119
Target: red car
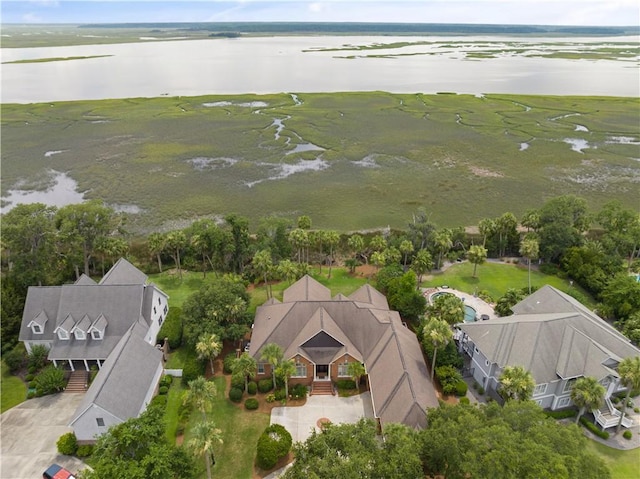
57,472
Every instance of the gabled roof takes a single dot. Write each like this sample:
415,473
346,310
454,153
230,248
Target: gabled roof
568,342
40,319
361,325
126,377
306,289
85,280
66,325
83,325
123,272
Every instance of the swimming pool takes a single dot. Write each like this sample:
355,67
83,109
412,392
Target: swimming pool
469,312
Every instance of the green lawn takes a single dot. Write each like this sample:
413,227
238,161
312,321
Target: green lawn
240,432
623,464
180,289
496,278
174,399
13,390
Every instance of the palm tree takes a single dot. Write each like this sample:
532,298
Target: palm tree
205,435
477,255
487,227
356,243
530,249
406,248
285,371
356,370
439,334
287,270
208,347
246,366
272,353
587,393
263,265
156,244
332,238
442,243
175,242
200,395
299,239
629,371
516,383
421,264
378,259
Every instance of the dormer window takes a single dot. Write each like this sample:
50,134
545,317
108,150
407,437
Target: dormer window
80,329
65,327
98,328
79,334
36,329
62,334
37,324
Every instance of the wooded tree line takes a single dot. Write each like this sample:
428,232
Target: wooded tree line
44,245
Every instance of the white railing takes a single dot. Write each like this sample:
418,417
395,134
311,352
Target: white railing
610,417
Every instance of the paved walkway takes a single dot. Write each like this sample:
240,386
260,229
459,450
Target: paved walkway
29,432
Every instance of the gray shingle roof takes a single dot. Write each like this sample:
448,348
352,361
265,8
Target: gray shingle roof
366,329
124,272
125,378
552,335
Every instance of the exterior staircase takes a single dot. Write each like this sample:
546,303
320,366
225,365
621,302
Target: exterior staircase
608,416
77,382
322,387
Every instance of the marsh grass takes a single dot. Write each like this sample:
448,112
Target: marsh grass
431,151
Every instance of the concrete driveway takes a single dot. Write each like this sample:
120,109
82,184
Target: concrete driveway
300,421
28,435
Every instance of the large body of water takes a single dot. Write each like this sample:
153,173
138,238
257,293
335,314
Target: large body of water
295,64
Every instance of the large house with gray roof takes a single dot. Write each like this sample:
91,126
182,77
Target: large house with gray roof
111,325
558,340
323,334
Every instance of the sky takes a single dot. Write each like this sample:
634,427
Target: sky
528,12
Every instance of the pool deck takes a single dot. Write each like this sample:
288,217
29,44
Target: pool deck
476,303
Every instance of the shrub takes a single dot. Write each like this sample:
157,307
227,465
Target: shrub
636,410
227,362
280,394
50,380
465,400
31,394
15,359
160,401
237,381
251,404
345,384
67,444
85,450
461,388
252,387
627,434
32,370
565,414
166,380
270,398
235,395
162,390
484,295
299,391
265,385
449,379
274,444
447,356
481,390
38,356
29,377
593,428
191,369
172,328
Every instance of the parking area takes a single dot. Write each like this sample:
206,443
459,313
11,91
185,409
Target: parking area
300,421
28,435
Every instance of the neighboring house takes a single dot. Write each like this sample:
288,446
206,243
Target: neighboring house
82,322
558,340
113,325
324,334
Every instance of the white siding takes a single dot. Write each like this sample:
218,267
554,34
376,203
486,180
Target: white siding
86,426
159,304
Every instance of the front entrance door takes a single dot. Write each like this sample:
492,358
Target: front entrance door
322,371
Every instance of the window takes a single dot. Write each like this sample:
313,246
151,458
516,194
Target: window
160,320
100,421
260,368
343,369
165,309
540,389
568,385
62,334
37,329
95,334
159,302
301,370
79,334
563,402
154,310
